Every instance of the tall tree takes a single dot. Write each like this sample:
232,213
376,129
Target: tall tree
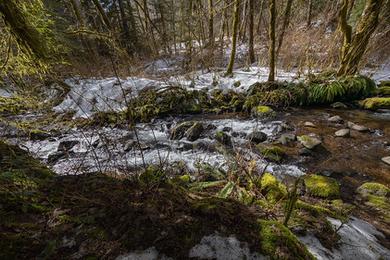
211,23
236,17
354,47
102,13
271,32
251,33
286,21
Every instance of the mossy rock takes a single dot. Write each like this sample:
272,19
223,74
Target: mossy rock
271,152
179,131
273,189
263,112
373,188
376,195
278,242
310,142
383,91
321,186
375,103
223,138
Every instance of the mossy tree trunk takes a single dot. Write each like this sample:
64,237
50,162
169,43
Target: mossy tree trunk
344,27
351,54
236,17
286,21
271,32
251,34
28,37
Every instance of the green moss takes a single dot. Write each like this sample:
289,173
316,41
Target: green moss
271,152
278,242
375,103
272,188
373,188
321,186
376,195
383,91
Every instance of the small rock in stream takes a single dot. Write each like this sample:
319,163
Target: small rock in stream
338,105
309,124
309,141
335,119
257,137
286,138
343,133
386,160
356,127
223,138
194,132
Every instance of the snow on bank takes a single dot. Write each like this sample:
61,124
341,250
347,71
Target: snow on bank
88,96
357,241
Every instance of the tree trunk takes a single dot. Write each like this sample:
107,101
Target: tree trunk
309,13
236,17
364,29
260,16
251,27
344,27
102,14
286,21
211,23
125,28
271,50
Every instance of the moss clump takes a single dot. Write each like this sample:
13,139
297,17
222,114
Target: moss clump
278,242
263,111
16,105
271,152
321,186
375,103
383,91
375,195
373,188
272,188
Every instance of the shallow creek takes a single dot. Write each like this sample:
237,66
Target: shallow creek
352,160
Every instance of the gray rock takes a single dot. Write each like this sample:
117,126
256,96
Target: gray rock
257,137
194,132
357,127
339,105
309,142
343,133
286,138
309,124
386,160
335,119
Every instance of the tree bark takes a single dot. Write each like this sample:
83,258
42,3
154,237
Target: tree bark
236,17
309,13
211,23
103,14
271,49
251,34
364,29
286,21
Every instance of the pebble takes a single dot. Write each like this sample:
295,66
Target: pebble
386,160
309,124
343,133
335,119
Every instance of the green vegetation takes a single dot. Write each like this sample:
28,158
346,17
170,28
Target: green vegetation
279,242
272,188
271,152
376,195
321,186
375,103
